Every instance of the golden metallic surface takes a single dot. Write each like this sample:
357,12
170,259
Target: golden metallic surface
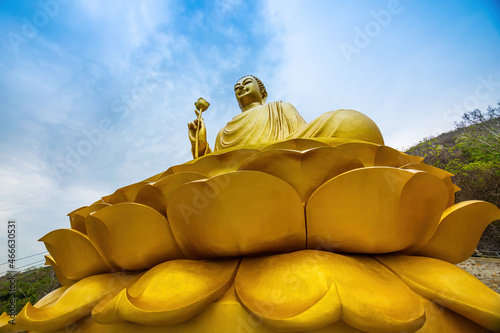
175,291
296,144
6,327
302,171
71,214
74,303
365,152
444,175
308,290
376,155
349,124
439,320
263,123
225,315
156,195
448,285
216,164
59,275
74,254
375,210
459,231
126,193
79,216
135,246
387,156
201,106
244,212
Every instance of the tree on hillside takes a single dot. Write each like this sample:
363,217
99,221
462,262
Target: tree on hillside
482,134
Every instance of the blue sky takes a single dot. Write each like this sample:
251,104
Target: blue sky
96,95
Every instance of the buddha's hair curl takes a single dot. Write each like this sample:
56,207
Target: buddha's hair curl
262,88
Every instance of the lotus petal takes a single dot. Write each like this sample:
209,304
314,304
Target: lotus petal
71,214
365,152
296,144
126,194
459,231
244,212
74,254
449,286
175,291
439,319
7,327
444,175
216,163
51,298
154,178
308,290
105,312
375,155
79,216
375,210
156,195
387,156
76,302
224,315
60,276
132,236
305,170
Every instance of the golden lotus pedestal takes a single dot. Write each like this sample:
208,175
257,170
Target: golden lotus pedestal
301,235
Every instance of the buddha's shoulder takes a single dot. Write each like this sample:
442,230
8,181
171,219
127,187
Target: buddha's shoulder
284,105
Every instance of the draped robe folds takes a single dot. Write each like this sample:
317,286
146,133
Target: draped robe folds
265,123
278,120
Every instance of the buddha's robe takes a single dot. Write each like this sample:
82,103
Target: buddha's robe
278,120
349,124
265,123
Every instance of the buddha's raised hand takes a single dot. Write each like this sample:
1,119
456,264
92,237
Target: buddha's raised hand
202,137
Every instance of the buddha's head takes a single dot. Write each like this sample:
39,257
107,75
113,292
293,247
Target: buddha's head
250,91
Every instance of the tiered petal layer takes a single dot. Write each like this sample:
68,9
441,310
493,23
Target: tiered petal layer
132,236
304,291
237,213
375,210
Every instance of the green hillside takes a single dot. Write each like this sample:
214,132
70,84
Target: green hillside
30,287
472,153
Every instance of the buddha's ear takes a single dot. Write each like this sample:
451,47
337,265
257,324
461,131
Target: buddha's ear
264,96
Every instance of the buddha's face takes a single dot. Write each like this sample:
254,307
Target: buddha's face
247,92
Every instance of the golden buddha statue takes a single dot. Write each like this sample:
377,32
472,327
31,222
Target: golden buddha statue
285,227
262,122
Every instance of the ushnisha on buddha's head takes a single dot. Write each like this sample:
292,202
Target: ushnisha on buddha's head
250,92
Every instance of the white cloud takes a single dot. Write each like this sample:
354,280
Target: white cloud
404,89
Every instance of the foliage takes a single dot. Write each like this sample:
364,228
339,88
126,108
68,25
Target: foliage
472,153
482,139
31,286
